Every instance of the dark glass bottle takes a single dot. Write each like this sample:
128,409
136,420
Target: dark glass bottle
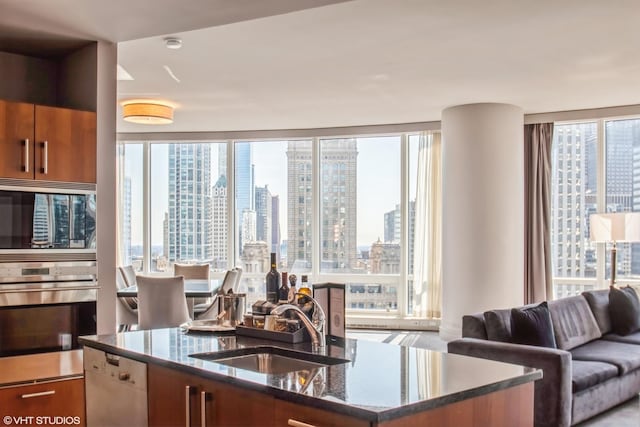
283,292
273,281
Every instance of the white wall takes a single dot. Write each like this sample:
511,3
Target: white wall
483,211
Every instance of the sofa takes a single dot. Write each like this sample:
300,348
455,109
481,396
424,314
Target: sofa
591,369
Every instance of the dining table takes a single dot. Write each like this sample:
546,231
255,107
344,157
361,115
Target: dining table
193,288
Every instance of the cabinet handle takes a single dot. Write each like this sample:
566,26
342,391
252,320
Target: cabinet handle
296,423
203,409
187,406
39,394
45,157
26,155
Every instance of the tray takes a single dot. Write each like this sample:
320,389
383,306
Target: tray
301,335
206,325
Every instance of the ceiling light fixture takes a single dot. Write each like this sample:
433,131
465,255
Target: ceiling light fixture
147,112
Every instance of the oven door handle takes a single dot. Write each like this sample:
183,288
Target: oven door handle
70,288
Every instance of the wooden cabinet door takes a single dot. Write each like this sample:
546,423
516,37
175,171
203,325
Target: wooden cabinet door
228,405
50,403
171,403
65,144
16,140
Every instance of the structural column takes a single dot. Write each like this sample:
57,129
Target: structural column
483,211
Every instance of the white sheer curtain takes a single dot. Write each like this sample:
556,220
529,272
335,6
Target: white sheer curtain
427,262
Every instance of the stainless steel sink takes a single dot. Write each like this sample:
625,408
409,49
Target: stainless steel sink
270,360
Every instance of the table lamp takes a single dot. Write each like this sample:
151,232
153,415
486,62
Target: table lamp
614,228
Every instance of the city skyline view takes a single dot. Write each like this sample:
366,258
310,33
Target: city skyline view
371,207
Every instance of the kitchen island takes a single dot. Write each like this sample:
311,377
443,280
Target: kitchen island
354,383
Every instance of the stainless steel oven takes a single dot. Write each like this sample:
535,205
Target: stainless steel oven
45,306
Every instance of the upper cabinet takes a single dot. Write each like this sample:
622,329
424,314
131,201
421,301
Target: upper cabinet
65,144
16,140
47,143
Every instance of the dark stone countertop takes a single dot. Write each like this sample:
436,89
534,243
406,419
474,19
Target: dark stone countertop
379,382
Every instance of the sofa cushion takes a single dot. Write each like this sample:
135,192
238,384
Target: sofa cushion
573,322
624,309
633,338
473,326
625,356
532,326
498,324
599,303
586,374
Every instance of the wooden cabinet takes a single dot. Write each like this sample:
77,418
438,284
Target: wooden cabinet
16,140
179,399
47,143
45,403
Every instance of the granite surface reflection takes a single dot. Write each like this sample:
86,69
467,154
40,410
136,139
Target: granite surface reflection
380,381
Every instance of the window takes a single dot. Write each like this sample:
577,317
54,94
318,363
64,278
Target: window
592,174
344,218
130,210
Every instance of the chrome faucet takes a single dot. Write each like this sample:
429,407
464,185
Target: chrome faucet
315,328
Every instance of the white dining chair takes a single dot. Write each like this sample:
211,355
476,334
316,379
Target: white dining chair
161,302
127,307
129,275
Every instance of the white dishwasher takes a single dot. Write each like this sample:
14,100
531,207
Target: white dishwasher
115,390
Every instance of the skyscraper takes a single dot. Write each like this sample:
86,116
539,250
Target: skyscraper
574,185
220,223
276,238
245,190
189,225
338,204
263,214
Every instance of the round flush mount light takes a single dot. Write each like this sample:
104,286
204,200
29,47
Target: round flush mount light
173,43
147,113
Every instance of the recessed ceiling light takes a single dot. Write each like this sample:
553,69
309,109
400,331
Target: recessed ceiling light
173,43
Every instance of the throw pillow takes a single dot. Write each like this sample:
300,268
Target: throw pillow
532,326
624,309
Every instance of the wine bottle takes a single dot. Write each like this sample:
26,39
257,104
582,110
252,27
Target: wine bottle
283,292
273,281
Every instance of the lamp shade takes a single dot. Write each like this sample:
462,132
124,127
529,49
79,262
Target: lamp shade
147,113
615,227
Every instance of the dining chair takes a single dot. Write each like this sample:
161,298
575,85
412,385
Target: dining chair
194,272
211,311
161,302
129,274
127,307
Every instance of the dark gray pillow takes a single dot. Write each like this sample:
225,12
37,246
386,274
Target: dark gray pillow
498,324
532,326
624,309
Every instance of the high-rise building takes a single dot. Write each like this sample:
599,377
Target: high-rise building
220,223
189,225
126,222
575,188
245,190
338,204
276,238
393,226
264,210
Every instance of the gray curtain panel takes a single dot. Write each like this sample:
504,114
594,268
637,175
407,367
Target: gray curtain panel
538,286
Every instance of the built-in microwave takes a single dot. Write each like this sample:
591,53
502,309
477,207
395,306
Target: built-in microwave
47,220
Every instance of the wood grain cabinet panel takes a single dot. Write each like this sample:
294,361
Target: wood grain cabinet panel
65,144
16,140
49,403
171,403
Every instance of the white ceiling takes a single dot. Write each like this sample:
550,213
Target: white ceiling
360,62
